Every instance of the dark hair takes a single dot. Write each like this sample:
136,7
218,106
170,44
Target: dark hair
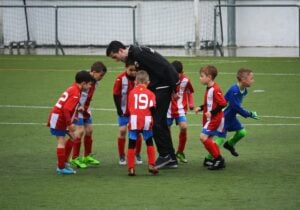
83,76
178,66
242,72
129,63
114,47
209,70
98,67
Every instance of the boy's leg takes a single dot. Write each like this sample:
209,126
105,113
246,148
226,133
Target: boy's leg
218,161
68,149
212,147
61,157
237,137
122,139
60,152
76,160
77,141
88,142
151,153
76,148
182,141
138,148
88,158
219,141
131,154
229,145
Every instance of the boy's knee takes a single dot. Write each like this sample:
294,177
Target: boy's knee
242,133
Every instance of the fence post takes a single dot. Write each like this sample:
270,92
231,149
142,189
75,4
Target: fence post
215,31
133,26
231,24
56,30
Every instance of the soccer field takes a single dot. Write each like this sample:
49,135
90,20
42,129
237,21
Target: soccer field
264,176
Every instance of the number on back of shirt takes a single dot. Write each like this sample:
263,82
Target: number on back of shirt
63,98
141,101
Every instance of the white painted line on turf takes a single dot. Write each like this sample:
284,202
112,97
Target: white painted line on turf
109,109
256,73
119,69
191,125
46,107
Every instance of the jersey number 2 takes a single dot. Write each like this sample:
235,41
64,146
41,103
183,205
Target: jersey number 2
63,98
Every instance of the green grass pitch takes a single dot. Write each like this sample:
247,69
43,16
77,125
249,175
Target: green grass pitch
264,176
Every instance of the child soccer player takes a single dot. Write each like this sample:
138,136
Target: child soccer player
60,119
234,97
141,102
178,108
213,116
83,123
124,83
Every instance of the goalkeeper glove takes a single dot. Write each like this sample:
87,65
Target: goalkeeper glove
254,115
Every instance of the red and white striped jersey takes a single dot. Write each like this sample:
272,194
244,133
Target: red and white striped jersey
85,101
62,113
140,101
178,107
212,98
122,86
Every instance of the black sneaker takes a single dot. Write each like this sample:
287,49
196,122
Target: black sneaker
218,163
162,161
173,164
207,162
230,149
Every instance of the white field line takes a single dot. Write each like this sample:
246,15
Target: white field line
109,109
119,69
46,107
191,125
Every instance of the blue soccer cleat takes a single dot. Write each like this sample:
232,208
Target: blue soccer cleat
67,171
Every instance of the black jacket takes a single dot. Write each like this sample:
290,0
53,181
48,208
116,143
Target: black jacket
160,71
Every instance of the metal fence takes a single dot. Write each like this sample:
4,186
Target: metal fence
216,9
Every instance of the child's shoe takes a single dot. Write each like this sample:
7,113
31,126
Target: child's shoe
152,169
78,163
131,172
181,157
90,160
138,159
122,160
67,171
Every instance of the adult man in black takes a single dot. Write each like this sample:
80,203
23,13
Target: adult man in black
163,80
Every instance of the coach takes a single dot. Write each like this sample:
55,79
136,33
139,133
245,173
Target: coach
163,80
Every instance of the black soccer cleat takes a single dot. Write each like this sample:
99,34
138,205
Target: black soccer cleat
207,162
218,163
231,149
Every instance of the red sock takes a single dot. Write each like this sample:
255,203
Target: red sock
68,149
87,145
121,146
76,148
60,153
131,158
151,155
212,147
138,145
182,141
